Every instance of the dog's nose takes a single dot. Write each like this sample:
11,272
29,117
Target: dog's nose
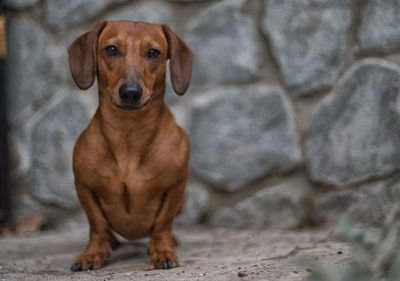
130,94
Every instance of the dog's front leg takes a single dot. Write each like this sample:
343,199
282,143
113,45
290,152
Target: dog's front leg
101,239
162,243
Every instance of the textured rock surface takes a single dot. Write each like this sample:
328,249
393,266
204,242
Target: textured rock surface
19,4
182,115
244,132
225,43
185,0
155,12
281,206
329,208
197,201
372,204
355,134
61,14
52,143
368,205
308,40
31,76
241,134
19,155
380,28
204,254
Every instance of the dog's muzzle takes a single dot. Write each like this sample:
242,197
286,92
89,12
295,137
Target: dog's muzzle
130,94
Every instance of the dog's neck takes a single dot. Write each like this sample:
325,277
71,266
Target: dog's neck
132,131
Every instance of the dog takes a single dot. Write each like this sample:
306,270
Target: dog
131,162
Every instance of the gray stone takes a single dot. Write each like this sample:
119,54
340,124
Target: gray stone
61,14
155,12
225,43
380,30
19,154
23,204
371,204
282,206
354,136
368,205
182,116
31,76
53,139
20,4
308,40
185,0
239,134
196,206
330,207
72,223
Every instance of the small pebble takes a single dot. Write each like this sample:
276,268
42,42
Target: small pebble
242,274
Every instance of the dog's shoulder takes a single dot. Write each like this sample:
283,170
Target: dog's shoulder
90,147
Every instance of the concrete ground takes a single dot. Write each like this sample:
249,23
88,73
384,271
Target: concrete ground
216,254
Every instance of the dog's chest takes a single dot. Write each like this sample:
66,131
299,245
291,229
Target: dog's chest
133,198
150,177
145,176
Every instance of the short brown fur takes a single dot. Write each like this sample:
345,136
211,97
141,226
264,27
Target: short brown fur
130,165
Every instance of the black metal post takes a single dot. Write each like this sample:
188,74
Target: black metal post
5,205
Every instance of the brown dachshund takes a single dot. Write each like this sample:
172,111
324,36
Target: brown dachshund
131,162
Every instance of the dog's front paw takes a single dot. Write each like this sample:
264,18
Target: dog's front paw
162,255
163,260
89,261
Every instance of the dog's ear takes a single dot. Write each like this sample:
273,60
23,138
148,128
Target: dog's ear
82,57
180,61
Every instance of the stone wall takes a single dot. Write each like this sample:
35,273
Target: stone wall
293,111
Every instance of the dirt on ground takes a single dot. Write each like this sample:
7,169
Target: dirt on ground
205,254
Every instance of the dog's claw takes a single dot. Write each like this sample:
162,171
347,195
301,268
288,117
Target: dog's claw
162,253
76,267
163,265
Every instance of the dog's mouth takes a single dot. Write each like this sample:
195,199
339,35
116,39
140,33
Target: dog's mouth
128,107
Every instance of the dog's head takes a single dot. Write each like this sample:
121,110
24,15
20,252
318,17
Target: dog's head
129,59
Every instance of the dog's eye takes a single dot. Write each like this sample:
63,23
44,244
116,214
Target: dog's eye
111,51
153,54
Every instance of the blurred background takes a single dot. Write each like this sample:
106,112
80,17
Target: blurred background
293,111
